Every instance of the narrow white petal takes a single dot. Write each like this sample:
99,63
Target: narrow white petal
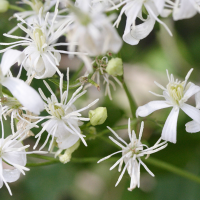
9,58
192,112
169,129
192,127
193,89
150,107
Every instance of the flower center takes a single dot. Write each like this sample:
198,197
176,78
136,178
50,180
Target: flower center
36,5
56,110
176,91
39,38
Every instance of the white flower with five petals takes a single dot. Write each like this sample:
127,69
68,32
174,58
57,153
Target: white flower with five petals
176,94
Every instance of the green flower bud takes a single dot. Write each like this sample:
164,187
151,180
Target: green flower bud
98,116
115,67
4,5
66,157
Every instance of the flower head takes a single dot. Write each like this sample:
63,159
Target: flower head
64,119
131,155
40,56
133,9
13,157
92,30
176,94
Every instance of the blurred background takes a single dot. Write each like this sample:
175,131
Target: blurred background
143,64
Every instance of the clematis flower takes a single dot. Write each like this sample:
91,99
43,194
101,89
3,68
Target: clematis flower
131,155
133,9
13,157
40,56
176,94
91,29
64,119
25,94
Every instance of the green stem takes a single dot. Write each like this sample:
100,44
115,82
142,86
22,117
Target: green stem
13,7
1,93
153,161
75,75
131,100
41,164
173,169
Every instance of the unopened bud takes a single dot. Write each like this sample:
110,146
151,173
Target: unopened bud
66,157
98,116
4,5
115,67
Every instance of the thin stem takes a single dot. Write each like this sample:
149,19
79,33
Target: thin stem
1,93
13,7
41,164
131,100
153,161
75,75
173,169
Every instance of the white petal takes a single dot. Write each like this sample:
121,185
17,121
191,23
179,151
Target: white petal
67,140
197,99
25,94
131,17
15,157
11,175
9,58
184,11
169,129
141,31
193,89
192,127
150,107
192,112
159,5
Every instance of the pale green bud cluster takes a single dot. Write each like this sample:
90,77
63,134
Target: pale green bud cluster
4,5
115,67
98,116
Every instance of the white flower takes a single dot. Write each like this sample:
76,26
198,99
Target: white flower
92,30
37,6
25,94
131,155
12,158
176,94
64,119
133,9
40,56
184,9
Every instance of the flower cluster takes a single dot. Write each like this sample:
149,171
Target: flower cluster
82,30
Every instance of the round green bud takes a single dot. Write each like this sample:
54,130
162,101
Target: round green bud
98,116
4,5
115,67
